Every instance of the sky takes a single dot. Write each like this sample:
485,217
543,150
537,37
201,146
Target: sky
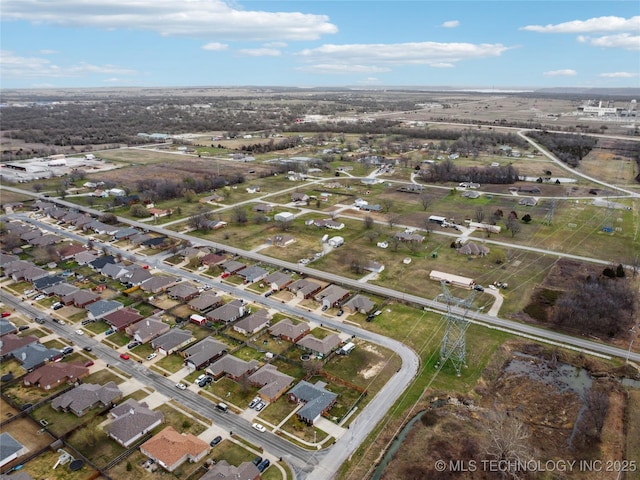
516,44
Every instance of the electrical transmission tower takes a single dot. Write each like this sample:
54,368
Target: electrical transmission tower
607,221
548,219
454,343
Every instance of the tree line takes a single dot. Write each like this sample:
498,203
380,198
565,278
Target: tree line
448,171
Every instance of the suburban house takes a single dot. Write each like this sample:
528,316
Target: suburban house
229,312
12,449
213,259
121,319
299,197
99,309
60,289
320,347
358,304
12,342
125,233
222,470
304,288
206,301
80,298
146,330
450,279
232,266
49,281
281,240
34,354
371,208
69,251
336,241
136,276
172,341
253,323
472,248
232,367
171,449
114,270
409,237
131,421
183,292
328,223
272,382
160,212
284,217
6,327
373,266
86,396
262,208
99,263
253,273
278,280
332,296
84,258
203,353
316,398
287,330
53,374
158,283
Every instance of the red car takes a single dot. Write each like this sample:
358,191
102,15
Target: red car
225,275
5,314
88,364
124,356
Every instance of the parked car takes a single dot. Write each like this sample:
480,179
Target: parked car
89,363
262,466
205,381
109,332
215,441
259,427
87,321
151,356
479,288
260,406
133,345
40,297
5,314
225,275
57,306
340,312
269,293
67,351
254,402
124,356
181,386
257,461
22,328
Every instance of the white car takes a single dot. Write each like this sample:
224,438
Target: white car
79,332
259,427
151,356
181,386
40,297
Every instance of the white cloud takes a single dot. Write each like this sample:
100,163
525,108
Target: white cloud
215,46
342,68
623,40
260,52
275,45
599,24
442,65
567,72
419,53
193,18
451,24
14,66
619,75
48,52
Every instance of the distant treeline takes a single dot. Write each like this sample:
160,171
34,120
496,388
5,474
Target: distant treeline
447,171
570,149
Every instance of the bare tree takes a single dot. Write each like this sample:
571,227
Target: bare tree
37,187
387,204
513,226
508,440
425,201
368,222
479,214
371,235
393,219
239,215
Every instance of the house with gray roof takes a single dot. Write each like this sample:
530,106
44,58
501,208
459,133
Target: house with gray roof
158,283
203,353
125,233
6,327
278,280
146,330
183,292
10,449
358,304
136,276
332,296
232,367
43,283
33,274
80,298
316,398
61,289
45,240
6,259
273,383
10,342
172,341
232,266
253,323
86,396
227,313
317,346
206,301
85,257
99,309
304,288
222,470
254,273
131,421
34,354
99,263
114,270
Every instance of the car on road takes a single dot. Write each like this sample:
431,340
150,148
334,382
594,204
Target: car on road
151,356
215,441
259,427
492,287
40,320
124,356
87,348
479,288
59,322
181,386
79,332
254,402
